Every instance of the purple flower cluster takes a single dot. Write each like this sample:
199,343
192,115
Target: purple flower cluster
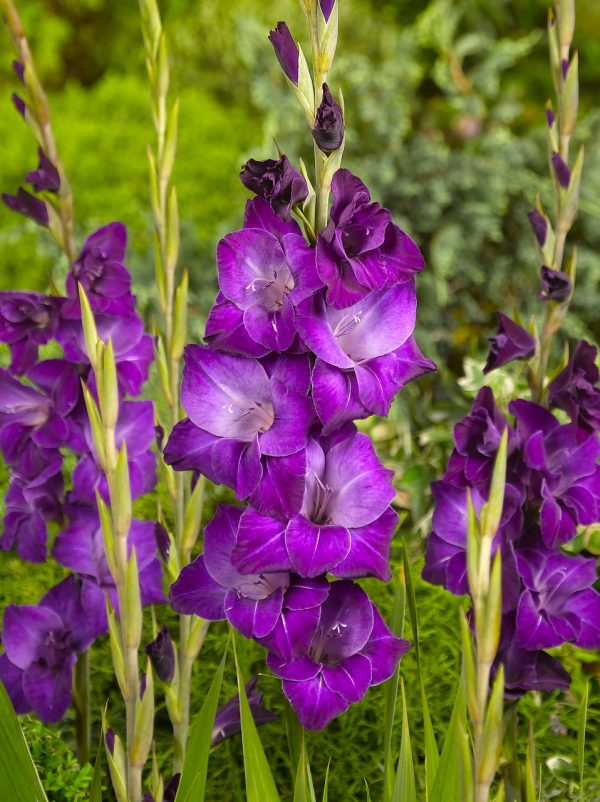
42,415
301,342
552,487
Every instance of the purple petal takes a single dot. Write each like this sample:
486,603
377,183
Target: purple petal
189,448
350,677
286,50
293,416
402,256
383,649
195,592
346,623
272,329
225,330
304,593
336,396
292,634
260,546
259,214
219,541
254,618
25,629
297,670
48,691
281,489
293,370
315,549
313,702
369,550
12,679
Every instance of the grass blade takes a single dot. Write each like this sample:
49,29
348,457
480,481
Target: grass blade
260,785
326,783
583,709
19,779
391,686
192,786
303,787
96,787
432,755
404,788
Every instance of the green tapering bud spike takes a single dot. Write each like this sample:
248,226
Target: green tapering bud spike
327,33
89,329
473,539
491,513
144,721
196,637
570,98
468,660
571,194
163,368
117,762
131,616
172,231
151,27
116,647
493,731
162,67
489,638
121,495
108,534
170,145
95,425
565,12
180,319
109,390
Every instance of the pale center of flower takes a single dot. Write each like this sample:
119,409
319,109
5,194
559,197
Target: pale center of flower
259,587
323,640
271,292
258,417
320,512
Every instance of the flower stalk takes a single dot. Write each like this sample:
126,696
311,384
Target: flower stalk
81,703
36,113
173,300
126,633
485,583
566,181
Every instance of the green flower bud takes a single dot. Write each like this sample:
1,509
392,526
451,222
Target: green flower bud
131,616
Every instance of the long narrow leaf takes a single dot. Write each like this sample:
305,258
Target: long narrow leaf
530,792
303,787
326,783
446,786
96,787
260,785
19,779
192,786
404,788
391,686
583,709
432,755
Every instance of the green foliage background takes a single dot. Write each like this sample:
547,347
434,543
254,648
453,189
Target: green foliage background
444,103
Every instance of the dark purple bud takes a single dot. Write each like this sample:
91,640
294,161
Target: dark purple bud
171,787
147,797
19,104
109,739
328,131
46,176
550,117
562,171
556,285
142,685
162,655
227,720
327,8
277,182
565,68
162,541
159,435
539,225
286,50
19,71
510,342
27,205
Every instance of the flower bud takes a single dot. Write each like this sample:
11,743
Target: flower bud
19,70
131,617
46,177
286,50
327,8
539,225
563,174
556,285
277,182
162,655
26,204
510,342
328,131
19,104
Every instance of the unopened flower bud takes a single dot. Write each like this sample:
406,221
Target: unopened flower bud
46,176
277,182
327,8
19,70
19,104
286,50
26,204
556,285
328,131
539,225
510,342
562,171
162,655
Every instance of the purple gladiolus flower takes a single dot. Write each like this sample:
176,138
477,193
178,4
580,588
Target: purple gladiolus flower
563,174
539,225
46,177
348,649
345,525
327,8
247,428
27,320
28,509
365,352
212,588
162,655
286,50
100,271
575,389
328,130
277,182
558,603
510,342
361,249
41,644
26,204
556,285
265,275
80,547
227,719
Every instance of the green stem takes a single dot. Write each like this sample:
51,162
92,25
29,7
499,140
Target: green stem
511,771
81,703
